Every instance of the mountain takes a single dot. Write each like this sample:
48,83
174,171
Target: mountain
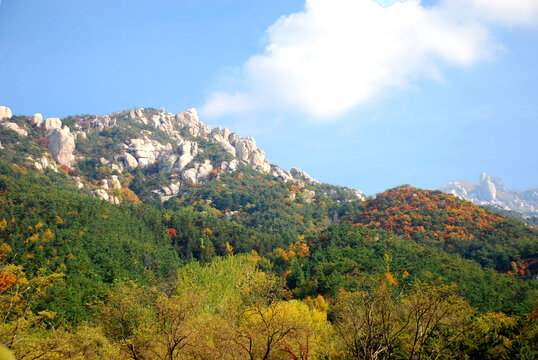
454,225
491,191
98,151
124,235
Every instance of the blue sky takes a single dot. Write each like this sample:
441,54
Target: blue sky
353,93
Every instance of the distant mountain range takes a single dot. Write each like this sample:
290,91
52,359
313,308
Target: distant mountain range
491,191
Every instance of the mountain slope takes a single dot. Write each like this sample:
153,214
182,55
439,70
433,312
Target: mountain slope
456,226
164,150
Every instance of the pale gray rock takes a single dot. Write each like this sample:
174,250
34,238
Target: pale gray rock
117,167
204,170
167,192
79,134
229,166
220,136
189,120
491,191
52,123
233,138
167,161
189,175
244,147
61,146
145,151
12,126
187,150
37,120
103,183
246,150
5,113
360,195
114,182
198,172
129,161
302,175
44,162
102,122
174,187
101,194
281,175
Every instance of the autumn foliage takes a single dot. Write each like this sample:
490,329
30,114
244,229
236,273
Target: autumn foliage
427,215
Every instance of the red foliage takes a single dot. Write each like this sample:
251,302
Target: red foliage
171,232
68,170
43,142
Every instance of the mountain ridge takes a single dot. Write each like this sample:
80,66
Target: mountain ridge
180,145
490,190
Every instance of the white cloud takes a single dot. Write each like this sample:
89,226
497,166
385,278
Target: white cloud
506,12
337,55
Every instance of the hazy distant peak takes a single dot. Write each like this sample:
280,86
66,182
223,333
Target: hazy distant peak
490,190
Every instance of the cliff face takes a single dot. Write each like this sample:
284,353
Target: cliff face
491,191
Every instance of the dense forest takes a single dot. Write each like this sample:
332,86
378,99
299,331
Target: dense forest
243,265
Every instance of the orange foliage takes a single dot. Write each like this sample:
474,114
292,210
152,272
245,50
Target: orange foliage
390,278
426,214
6,281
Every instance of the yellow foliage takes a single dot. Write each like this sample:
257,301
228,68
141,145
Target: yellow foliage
229,248
5,249
32,239
48,235
208,232
390,278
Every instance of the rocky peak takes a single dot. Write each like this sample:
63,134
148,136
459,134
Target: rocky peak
52,123
37,120
5,113
190,121
491,191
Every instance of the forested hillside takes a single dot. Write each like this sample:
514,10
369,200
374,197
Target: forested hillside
188,256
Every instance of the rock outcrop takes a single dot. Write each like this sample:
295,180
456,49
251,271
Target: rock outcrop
178,154
42,164
52,123
281,175
221,137
199,171
491,191
14,127
37,120
189,120
103,195
61,145
101,122
246,150
144,151
5,113
300,174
